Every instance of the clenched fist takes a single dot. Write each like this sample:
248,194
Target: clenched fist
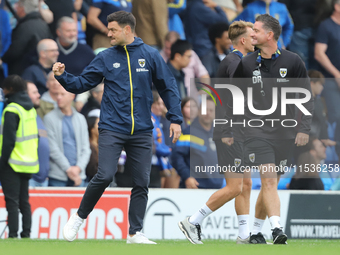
58,68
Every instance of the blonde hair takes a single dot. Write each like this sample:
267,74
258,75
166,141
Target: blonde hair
238,28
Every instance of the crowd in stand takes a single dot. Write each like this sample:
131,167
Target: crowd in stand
192,37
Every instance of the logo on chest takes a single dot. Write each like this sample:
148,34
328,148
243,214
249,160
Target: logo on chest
116,65
283,72
141,62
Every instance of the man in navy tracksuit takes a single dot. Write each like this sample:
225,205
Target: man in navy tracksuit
129,68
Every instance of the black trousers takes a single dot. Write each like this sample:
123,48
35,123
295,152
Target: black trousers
15,188
139,152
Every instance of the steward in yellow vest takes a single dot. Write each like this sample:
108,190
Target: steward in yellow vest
18,152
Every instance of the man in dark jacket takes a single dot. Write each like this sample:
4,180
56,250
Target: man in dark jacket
267,146
30,29
129,69
48,52
18,153
219,38
180,58
199,16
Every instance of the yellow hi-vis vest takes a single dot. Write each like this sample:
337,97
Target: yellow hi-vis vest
24,157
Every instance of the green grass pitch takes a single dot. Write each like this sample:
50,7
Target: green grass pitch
164,247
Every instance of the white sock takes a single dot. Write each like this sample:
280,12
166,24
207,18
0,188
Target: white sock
257,227
275,222
200,215
243,226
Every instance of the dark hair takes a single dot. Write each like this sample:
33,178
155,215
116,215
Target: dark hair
185,100
270,24
180,46
310,145
123,19
216,31
91,121
316,76
14,83
324,9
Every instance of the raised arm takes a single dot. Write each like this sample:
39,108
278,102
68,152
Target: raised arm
89,78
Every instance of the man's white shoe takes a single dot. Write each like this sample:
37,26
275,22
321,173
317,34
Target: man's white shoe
192,232
139,238
71,228
239,240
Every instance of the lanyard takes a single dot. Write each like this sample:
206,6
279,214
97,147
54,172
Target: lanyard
237,52
276,54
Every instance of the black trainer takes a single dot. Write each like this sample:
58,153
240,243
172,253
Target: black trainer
279,237
257,239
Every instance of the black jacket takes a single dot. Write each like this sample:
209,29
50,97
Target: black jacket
211,61
284,69
25,37
11,122
91,104
225,71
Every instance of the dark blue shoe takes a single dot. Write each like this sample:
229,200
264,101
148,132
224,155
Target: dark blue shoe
279,237
257,239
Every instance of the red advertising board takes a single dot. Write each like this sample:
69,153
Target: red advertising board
51,209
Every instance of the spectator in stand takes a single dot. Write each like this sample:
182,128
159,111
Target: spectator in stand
30,29
60,9
44,11
97,15
69,48
69,144
180,58
189,111
18,153
309,167
327,53
94,100
151,21
5,40
48,100
275,9
92,124
40,179
175,23
303,13
48,52
161,153
218,35
305,178
195,69
319,127
196,145
199,16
